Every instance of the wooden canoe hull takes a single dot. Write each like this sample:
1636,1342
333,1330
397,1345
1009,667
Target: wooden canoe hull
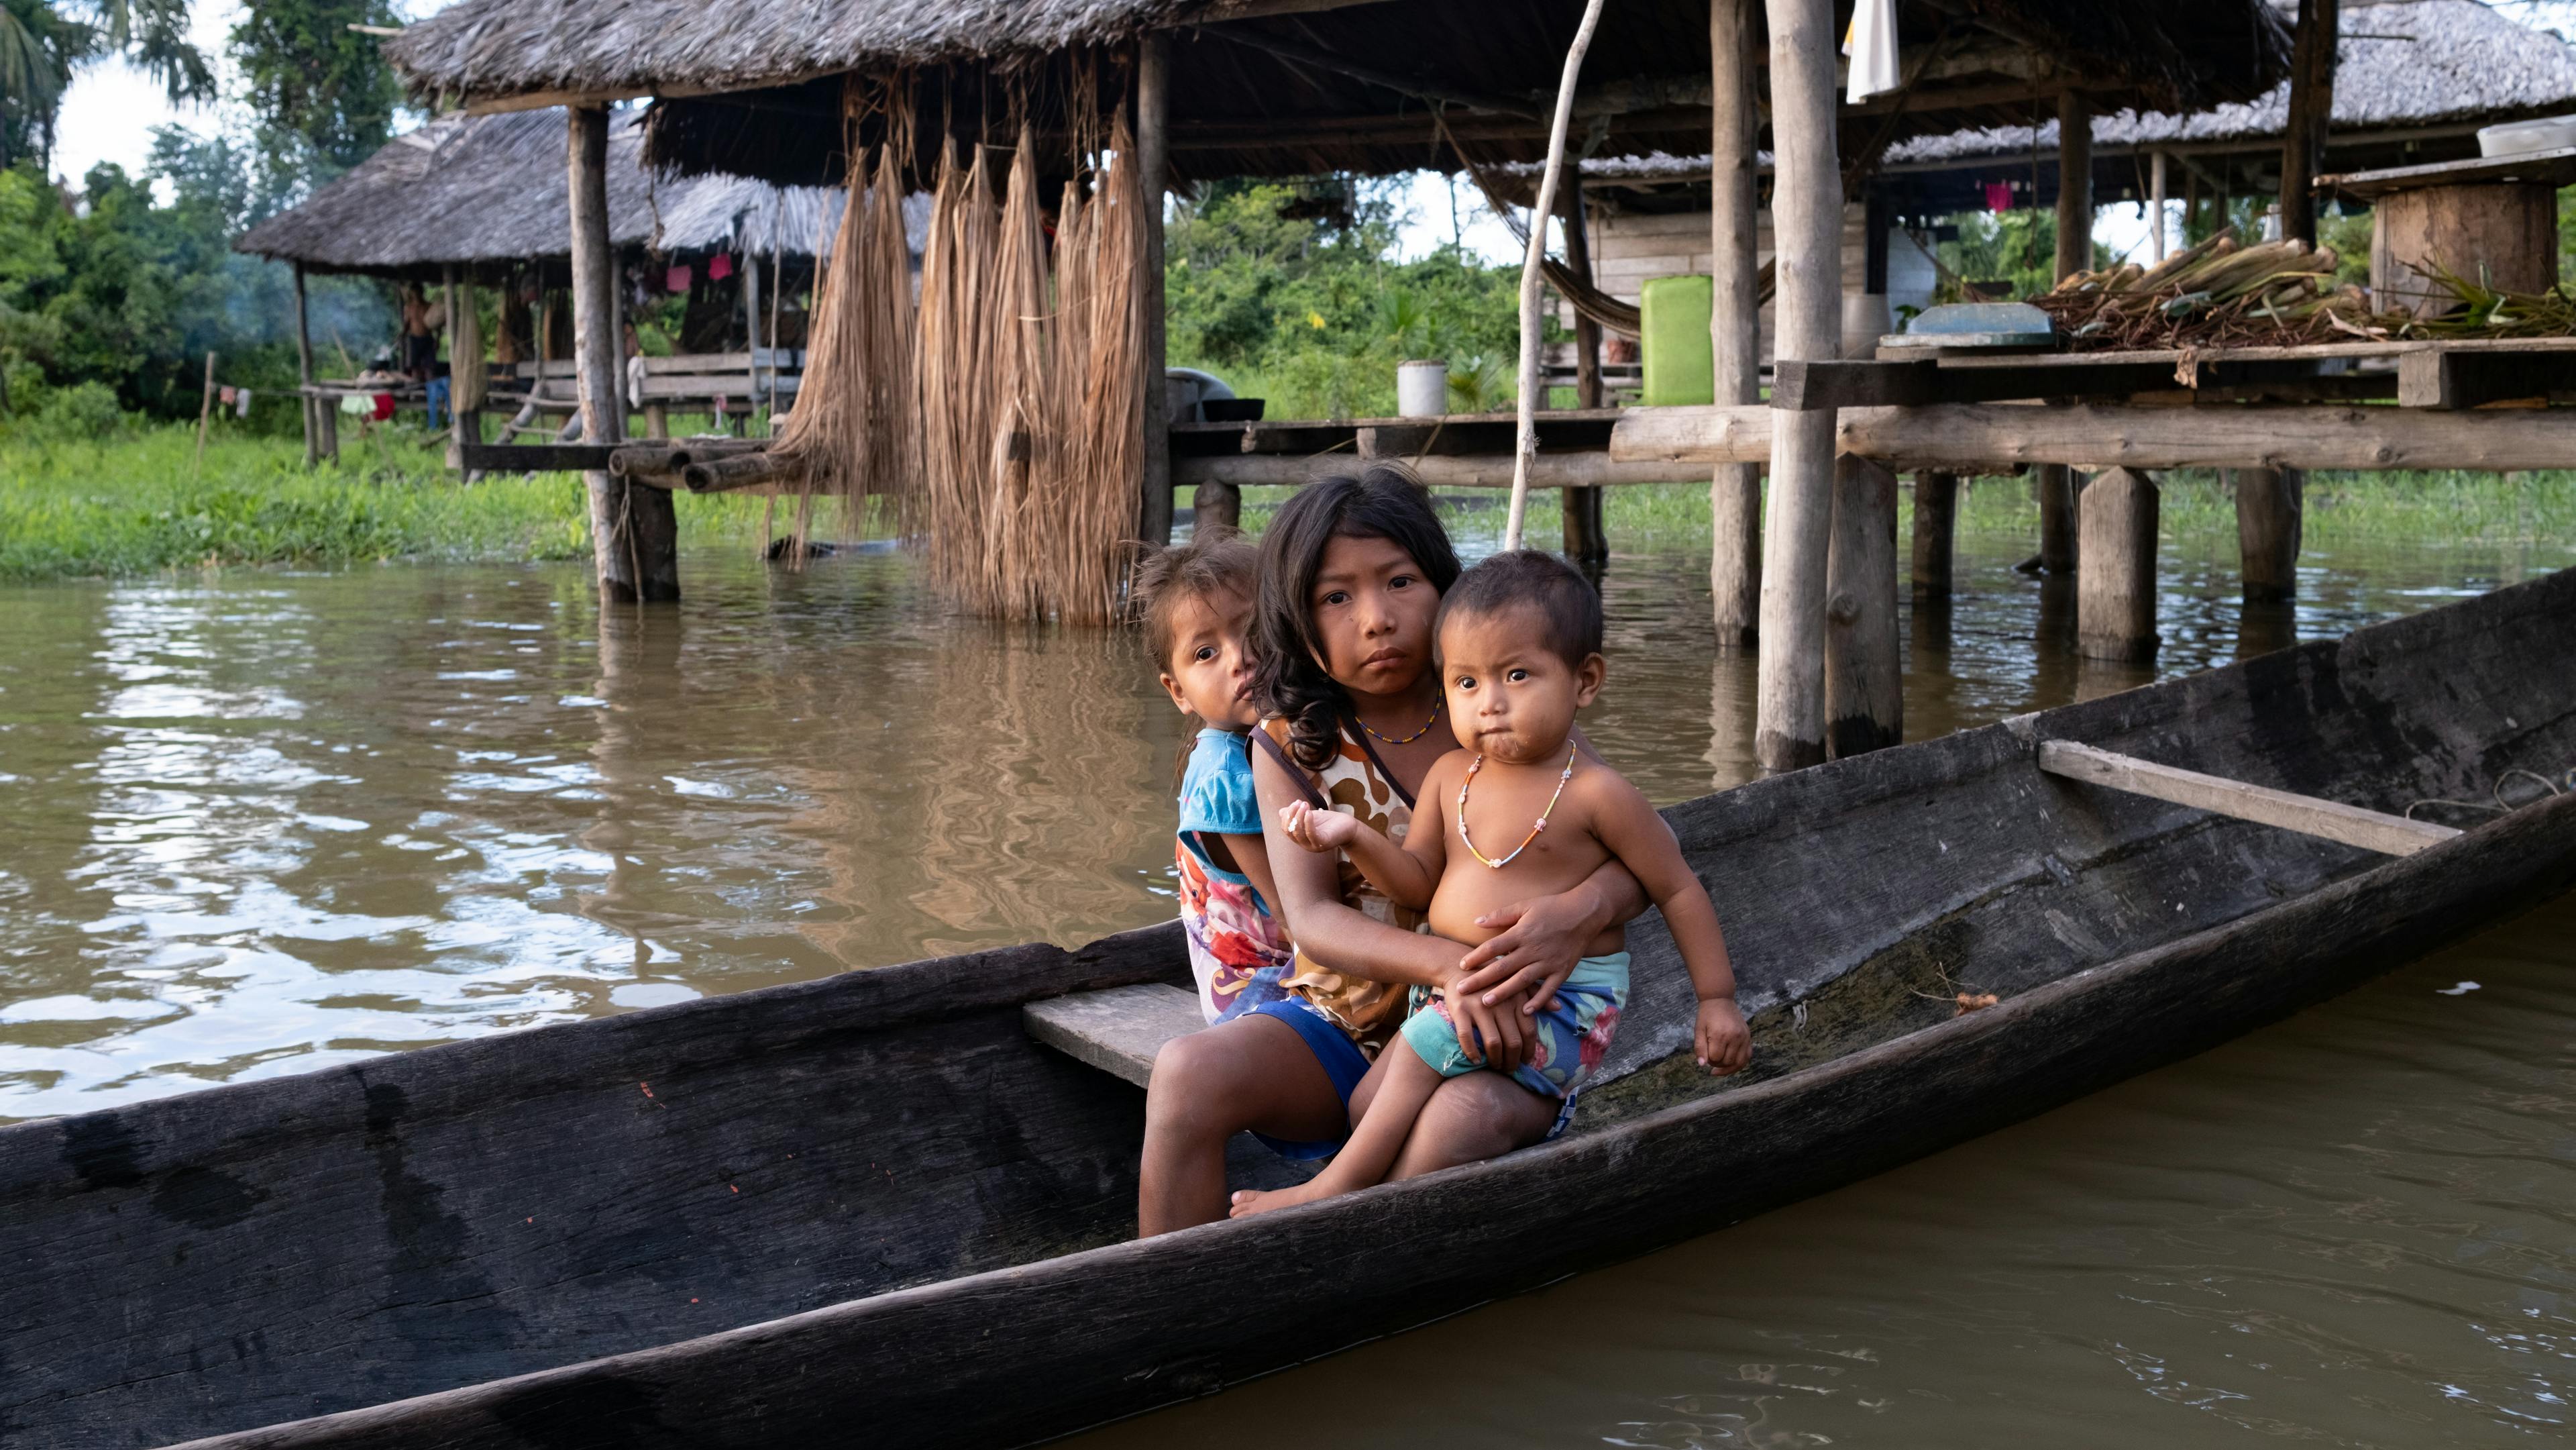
868,1208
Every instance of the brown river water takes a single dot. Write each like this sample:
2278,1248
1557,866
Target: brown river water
262,822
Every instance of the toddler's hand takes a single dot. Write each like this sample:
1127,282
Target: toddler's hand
1317,831
1723,1042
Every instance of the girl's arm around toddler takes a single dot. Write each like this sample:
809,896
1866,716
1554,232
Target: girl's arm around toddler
1626,823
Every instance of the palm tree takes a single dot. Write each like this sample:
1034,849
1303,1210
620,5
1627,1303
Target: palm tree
43,42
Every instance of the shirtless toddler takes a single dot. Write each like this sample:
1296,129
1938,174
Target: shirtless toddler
1523,812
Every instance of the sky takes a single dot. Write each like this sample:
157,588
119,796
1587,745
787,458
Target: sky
111,109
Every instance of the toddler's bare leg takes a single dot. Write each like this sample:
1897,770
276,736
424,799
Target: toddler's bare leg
1406,1085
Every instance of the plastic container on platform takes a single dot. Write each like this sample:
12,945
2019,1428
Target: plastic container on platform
1422,389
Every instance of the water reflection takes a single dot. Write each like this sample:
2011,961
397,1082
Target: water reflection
264,821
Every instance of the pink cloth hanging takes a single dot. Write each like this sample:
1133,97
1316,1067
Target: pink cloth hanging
678,280
1998,196
720,266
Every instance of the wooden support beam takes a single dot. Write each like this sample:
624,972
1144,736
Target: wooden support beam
1864,673
1936,511
1216,505
1153,168
2303,142
2268,524
1384,79
1920,382
2307,815
1997,437
1590,468
1734,318
1580,508
2461,379
634,533
2115,582
2074,183
2059,543
1806,211
304,375
1118,1030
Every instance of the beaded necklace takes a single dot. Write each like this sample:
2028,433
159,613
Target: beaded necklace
1409,739
1478,764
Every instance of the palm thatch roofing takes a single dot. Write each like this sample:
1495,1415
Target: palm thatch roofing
2414,80
1271,87
487,192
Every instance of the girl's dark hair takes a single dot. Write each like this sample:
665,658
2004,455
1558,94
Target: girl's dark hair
1216,560
1385,502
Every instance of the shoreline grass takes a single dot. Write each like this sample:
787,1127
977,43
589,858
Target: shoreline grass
138,504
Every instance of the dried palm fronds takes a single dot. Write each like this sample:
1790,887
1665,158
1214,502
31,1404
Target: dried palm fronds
2220,294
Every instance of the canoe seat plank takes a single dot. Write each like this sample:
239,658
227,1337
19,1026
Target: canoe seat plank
2350,825
1117,1031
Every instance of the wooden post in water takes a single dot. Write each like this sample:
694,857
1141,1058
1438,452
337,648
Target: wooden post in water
2057,488
2268,524
304,374
1153,167
1864,675
2303,142
205,412
2115,588
1585,542
1734,321
1806,215
634,533
1936,513
1216,505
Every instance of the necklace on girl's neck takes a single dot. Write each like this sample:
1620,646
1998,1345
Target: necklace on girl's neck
1478,764
1408,739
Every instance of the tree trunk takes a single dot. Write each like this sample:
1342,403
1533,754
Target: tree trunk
1153,166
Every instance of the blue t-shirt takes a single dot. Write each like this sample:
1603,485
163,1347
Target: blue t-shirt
1217,796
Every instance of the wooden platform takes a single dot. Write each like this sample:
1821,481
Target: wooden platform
1559,430
1117,1031
2413,372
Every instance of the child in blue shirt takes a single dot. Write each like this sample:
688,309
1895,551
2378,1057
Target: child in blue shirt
1196,599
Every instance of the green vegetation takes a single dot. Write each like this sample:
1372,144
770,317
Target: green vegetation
1286,290
135,502
44,43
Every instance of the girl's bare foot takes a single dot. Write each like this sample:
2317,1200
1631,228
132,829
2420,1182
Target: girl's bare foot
1250,1201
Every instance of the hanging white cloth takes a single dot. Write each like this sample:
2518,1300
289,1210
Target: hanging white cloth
1871,44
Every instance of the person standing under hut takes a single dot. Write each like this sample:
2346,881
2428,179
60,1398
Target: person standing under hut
1352,570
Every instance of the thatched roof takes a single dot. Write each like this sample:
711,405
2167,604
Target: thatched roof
485,191
2414,79
1272,87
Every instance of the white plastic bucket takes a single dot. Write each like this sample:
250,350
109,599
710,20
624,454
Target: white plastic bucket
1421,389
2516,138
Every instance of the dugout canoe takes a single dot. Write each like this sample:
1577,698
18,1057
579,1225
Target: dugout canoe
870,1210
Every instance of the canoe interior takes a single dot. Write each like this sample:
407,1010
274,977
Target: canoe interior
269,1251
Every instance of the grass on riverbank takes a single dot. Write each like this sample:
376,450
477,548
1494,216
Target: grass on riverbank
138,504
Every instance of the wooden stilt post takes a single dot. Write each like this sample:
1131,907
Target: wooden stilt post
634,534
304,374
2303,143
2268,523
1864,674
1584,541
2057,488
2074,183
750,326
1216,505
1806,212
1936,505
205,412
2156,205
1734,489
1153,169
2115,587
